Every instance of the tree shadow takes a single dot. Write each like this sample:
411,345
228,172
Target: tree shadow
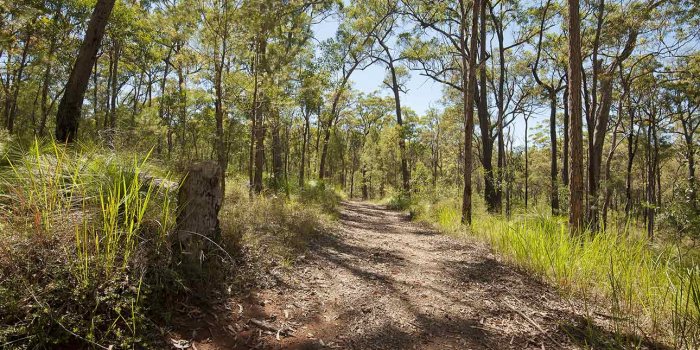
483,286
584,333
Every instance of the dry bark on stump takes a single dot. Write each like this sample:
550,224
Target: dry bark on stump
199,201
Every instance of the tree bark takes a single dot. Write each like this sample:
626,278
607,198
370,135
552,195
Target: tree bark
304,146
69,109
468,87
553,171
576,191
490,194
199,200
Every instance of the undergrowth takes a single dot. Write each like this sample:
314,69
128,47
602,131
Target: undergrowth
276,226
83,237
647,288
85,245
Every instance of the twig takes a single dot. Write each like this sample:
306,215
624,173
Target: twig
50,313
286,331
533,323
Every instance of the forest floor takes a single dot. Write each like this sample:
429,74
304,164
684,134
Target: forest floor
383,282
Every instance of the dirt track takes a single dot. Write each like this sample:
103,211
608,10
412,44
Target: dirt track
383,282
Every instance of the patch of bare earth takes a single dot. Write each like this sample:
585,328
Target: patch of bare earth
383,282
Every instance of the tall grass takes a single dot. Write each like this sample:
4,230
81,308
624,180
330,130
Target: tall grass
281,228
645,288
85,214
85,243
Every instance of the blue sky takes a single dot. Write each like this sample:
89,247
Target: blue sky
422,92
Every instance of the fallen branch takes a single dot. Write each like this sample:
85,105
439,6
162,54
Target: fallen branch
534,324
285,331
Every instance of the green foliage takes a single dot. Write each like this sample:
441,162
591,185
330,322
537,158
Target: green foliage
86,236
322,195
272,225
399,201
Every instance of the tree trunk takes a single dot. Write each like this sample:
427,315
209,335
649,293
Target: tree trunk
565,146
219,114
395,88
576,128
527,164
253,127
69,109
304,145
468,87
277,164
688,137
259,134
333,118
405,175
111,122
553,172
45,108
12,113
632,143
199,200
490,194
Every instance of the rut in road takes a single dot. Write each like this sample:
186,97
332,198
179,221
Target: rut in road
383,282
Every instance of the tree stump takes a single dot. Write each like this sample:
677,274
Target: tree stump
199,201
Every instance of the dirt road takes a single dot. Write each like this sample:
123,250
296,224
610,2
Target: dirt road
383,282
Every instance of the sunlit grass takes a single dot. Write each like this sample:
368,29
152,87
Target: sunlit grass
645,287
85,212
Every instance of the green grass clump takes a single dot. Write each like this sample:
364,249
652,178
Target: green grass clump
320,195
84,240
399,201
275,226
644,287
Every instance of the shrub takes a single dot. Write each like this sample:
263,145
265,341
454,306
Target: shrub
85,246
399,201
272,224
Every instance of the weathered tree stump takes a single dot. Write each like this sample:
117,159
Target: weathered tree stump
199,201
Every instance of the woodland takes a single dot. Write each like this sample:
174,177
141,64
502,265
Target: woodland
563,150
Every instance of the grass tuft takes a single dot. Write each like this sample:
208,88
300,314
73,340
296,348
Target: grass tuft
645,287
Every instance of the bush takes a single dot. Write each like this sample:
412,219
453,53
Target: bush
272,225
399,201
320,194
85,248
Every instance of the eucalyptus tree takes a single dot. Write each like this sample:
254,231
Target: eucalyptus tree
683,98
616,34
344,54
217,18
279,32
443,47
553,83
576,190
503,17
70,107
175,27
312,82
384,49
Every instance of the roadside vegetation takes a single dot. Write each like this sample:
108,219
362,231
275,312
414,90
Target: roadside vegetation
640,287
87,256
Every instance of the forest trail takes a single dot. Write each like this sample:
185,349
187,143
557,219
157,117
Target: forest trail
383,282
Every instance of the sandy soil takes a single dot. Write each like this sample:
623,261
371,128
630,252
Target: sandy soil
383,282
